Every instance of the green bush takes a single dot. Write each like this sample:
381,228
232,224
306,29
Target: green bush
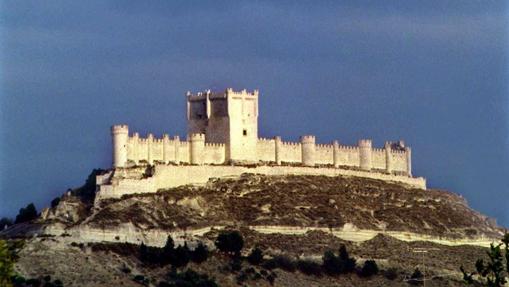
369,268
33,282
416,278
188,278
309,267
492,273
255,257
286,263
269,264
6,264
55,202
26,214
200,253
331,264
230,242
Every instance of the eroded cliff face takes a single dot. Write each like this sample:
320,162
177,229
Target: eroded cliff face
349,207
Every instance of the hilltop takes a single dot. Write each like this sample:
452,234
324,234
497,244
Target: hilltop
298,216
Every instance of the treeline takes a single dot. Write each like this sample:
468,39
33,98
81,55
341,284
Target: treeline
256,265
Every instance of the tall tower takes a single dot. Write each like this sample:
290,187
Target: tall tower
227,117
120,134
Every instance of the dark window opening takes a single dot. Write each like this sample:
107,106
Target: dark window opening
244,132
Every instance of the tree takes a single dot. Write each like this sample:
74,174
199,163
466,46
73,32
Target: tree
493,270
331,263
26,214
6,264
230,242
200,253
347,262
168,252
143,252
255,257
505,241
181,256
55,202
369,268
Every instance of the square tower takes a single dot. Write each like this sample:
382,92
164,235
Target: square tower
227,117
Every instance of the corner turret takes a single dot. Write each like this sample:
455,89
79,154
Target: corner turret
119,134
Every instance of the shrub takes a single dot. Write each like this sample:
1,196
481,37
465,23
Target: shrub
18,280
255,257
494,271
141,279
285,263
33,282
416,277
26,214
391,273
55,202
200,253
189,278
6,264
269,264
369,268
230,242
309,267
125,269
331,264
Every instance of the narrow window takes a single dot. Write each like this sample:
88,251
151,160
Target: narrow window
244,132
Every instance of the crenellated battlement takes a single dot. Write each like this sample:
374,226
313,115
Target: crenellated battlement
214,145
242,93
365,143
324,146
307,139
197,137
266,139
120,129
223,130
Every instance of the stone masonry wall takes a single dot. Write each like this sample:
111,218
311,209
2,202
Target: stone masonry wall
168,176
166,150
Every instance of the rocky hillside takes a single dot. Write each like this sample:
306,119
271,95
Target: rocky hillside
297,216
290,201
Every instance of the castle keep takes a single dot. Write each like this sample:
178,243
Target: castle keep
223,141
223,129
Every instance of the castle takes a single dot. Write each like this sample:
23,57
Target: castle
223,129
223,141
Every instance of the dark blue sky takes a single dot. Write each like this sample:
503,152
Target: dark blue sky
434,73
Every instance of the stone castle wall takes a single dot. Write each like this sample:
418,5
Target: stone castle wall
306,152
123,181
